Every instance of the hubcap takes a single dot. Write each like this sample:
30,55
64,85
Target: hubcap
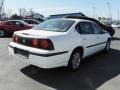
2,33
76,60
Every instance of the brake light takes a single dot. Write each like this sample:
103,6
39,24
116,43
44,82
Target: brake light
44,44
15,39
35,43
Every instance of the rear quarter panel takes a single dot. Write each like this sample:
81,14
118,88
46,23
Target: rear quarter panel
67,42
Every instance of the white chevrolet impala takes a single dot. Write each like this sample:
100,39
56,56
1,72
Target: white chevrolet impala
59,42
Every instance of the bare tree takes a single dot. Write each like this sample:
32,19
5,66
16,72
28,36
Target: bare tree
23,12
2,5
9,13
2,8
31,12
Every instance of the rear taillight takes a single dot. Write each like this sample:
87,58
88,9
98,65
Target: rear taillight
45,44
15,39
42,44
35,43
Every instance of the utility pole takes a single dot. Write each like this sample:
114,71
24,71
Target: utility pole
118,16
109,12
20,11
109,7
1,8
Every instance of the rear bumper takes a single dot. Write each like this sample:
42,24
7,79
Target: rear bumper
43,59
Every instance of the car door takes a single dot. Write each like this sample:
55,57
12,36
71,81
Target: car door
13,26
18,26
9,26
89,39
100,37
22,26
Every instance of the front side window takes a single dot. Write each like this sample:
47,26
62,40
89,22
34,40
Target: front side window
56,25
84,28
17,23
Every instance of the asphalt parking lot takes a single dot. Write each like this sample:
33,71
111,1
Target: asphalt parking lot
100,72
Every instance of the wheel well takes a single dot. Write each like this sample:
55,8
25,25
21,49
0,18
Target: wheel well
109,39
79,48
2,29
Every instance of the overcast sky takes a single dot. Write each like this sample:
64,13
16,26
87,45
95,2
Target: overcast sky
47,7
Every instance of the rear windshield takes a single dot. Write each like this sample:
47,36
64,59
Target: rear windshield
56,25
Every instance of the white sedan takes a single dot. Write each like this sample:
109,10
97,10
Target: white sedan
59,42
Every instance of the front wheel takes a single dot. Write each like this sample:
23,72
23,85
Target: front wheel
2,33
74,61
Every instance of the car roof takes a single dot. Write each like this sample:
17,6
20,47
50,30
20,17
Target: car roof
14,20
77,20
17,20
84,18
29,19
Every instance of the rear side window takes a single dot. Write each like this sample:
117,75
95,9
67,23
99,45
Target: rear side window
8,23
84,28
12,23
96,28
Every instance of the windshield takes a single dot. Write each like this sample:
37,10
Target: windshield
56,25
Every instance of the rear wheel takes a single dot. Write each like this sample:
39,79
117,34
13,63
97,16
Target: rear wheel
107,48
74,62
2,33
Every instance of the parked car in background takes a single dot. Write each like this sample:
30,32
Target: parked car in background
32,21
1,22
10,26
115,25
107,28
59,42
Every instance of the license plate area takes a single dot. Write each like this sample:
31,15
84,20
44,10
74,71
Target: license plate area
22,53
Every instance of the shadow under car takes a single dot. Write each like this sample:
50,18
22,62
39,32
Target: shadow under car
93,72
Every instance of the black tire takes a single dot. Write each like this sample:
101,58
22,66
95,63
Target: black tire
74,61
2,33
107,47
